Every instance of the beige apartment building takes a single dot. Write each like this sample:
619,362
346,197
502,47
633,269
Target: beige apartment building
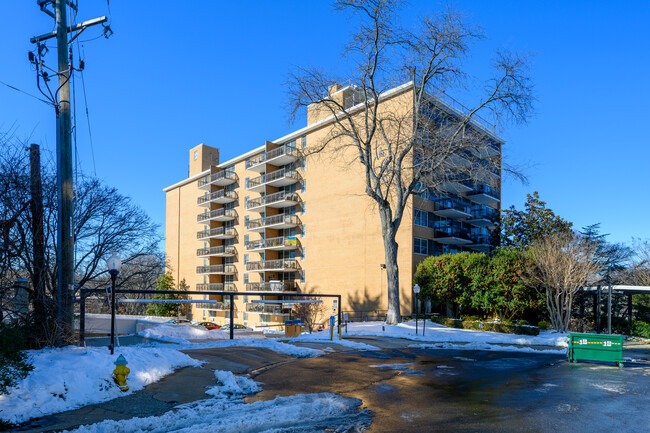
272,219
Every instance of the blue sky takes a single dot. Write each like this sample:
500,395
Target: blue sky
177,74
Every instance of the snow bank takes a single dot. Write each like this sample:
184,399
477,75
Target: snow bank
324,337
226,412
437,333
71,377
492,347
276,346
183,333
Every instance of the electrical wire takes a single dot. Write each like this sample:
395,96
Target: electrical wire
90,133
28,94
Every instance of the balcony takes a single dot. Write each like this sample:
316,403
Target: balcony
278,243
219,251
220,214
452,208
213,305
272,286
454,233
481,243
284,154
216,269
217,233
278,200
222,196
264,308
482,193
281,221
277,178
273,265
217,287
483,216
222,178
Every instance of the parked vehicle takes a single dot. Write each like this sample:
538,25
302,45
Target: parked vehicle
237,326
208,325
180,321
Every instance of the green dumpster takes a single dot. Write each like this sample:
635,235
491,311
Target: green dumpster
595,347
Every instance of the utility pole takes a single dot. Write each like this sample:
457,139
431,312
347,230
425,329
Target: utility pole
65,212
38,239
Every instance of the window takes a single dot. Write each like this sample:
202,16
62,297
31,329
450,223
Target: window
246,239
304,141
302,277
245,259
196,155
420,246
245,278
421,218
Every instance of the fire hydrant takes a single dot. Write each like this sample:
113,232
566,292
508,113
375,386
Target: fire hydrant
120,373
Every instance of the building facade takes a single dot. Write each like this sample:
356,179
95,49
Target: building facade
273,219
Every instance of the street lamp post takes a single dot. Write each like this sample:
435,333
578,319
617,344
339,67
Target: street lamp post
416,290
113,264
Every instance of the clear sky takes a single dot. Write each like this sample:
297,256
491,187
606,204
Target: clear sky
176,74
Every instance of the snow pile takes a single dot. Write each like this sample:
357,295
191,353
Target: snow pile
324,337
182,333
440,334
229,384
71,377
485,346
301,413
276,346
226,412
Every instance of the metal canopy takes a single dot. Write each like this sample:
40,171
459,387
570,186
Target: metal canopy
633,290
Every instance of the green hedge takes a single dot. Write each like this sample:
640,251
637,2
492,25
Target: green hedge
487,326
640,329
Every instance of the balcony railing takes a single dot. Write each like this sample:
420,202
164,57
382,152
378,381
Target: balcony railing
484,212
221,214
482,188
447,203
282,242
216,269
221,250
274,177
264,308
217,287
273,265
272,154
217,232
282,286
269,200
221,196
213,305
224,177
281,220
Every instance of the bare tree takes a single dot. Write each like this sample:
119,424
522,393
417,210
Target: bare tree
104,221
407,140
309,312
564,262
640,268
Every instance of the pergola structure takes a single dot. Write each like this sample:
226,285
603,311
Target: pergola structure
613,290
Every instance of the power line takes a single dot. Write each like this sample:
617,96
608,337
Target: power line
28,94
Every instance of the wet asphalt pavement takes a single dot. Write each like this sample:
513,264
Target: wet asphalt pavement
424,390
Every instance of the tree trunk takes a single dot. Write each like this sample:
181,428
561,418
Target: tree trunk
393,316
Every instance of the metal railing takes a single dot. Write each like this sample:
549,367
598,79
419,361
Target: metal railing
482,188
213,251
270,177
225,174
282,241
216,269
456,204
266,265
222,193
273,220
231,213
282,150
271,287
263,308
485,213
216,286
272,198
217,231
